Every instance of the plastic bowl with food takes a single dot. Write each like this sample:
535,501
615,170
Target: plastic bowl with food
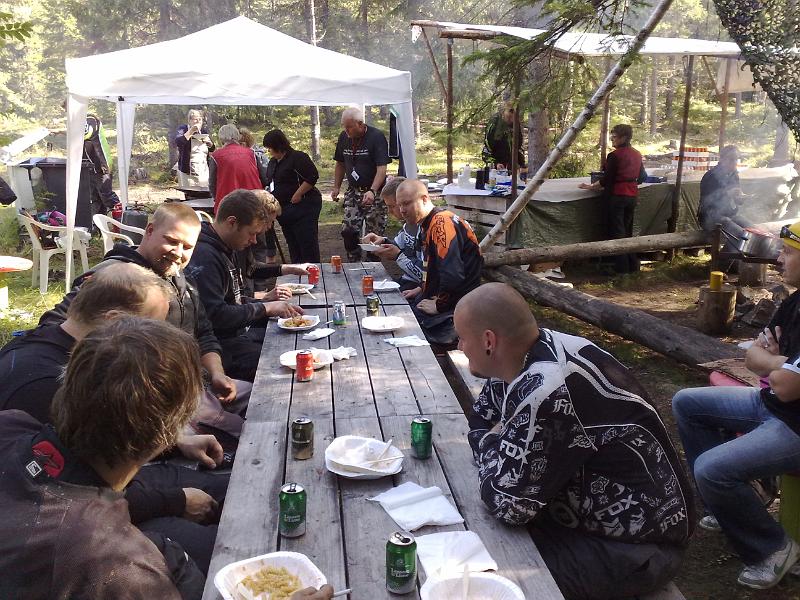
274,576
299,323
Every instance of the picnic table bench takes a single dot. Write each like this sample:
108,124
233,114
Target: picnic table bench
374,394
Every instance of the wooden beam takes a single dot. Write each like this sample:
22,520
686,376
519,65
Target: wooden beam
450,111
436,71
676,341
467,34
673,219
644,243
724,103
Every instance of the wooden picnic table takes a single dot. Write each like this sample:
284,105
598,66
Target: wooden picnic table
374,394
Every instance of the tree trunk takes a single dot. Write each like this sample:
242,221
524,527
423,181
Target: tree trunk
681,343
364,21
780,155
644,243
538,122
654,97
645,91
313,110
669,97
738,113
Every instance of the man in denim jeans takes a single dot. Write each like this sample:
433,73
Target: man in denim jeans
769,421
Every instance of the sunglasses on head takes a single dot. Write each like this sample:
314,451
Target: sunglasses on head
787,233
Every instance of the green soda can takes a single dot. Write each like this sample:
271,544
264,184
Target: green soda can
421,437
401,563
292,519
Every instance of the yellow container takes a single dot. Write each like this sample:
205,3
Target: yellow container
715,283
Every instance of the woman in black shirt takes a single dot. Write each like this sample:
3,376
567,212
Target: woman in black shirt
291,177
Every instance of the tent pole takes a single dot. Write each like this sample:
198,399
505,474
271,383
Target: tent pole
676,195
450,110
604,123
723,99
535,182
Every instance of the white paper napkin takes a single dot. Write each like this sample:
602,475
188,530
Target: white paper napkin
343,352
412,506
446,553
404,342
318,334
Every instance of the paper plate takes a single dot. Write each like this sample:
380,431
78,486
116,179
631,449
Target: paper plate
313,319
382,324
369,247
344,454
386,286
322,358
482,586
228,577
298,288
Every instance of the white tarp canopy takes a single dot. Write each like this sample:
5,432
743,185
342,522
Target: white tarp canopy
603,44
227,64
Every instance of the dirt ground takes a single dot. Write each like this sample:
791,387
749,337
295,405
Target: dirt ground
710,568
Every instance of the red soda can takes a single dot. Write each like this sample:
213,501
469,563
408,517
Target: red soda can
313,274
336,263
305,365
367,285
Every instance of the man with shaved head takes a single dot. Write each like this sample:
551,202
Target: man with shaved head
567,443
451,264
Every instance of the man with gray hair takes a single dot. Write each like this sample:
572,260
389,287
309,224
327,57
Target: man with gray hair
233,167
362,154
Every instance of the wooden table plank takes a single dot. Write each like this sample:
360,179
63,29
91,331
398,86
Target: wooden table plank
366,525
391,387
272,387
512,547
314,398
249,523
431,388
336,287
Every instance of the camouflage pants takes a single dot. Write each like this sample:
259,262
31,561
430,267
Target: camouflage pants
355,214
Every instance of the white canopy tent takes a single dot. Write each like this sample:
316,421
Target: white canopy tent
220,65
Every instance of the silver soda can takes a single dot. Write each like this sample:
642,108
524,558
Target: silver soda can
302,438
339,313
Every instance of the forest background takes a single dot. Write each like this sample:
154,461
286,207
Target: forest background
649,96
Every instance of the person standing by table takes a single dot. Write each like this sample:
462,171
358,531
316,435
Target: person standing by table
623,173
194,144
362,154
291,177
498,139
233,167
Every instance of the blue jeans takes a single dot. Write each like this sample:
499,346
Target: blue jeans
723,469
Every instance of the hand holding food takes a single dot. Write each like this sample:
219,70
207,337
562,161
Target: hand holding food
282,309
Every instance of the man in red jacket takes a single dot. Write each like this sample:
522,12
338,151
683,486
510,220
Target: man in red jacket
623,173
233,167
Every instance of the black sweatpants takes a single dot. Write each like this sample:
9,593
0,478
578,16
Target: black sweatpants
620,225
300,223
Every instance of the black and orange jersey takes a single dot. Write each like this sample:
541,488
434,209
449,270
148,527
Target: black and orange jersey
452,258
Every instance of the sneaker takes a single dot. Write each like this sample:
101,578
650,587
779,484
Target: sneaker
710,523
771,570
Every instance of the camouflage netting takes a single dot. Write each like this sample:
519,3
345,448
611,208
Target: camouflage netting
768,33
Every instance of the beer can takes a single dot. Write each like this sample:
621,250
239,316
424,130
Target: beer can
421,437
302,438
367,285
292,517
313,274
336,263
401,563
339,313
373,305
305,365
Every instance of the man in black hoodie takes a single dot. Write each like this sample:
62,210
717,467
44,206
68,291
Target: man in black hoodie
241,216
166,249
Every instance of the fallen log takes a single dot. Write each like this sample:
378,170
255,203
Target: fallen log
681,343
644,243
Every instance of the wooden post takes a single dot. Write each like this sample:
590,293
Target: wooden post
724,103
676,197
516,130
604,123
450,110
715,310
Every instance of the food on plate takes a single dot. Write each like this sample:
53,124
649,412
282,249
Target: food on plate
295,287
275,581
297,322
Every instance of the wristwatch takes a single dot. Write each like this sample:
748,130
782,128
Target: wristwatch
374,193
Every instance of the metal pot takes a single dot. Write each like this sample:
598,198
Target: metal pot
758,244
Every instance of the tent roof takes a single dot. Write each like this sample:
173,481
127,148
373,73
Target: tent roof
601,44
239,62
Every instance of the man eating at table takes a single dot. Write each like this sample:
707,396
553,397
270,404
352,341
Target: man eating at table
567,443
238,321
451,265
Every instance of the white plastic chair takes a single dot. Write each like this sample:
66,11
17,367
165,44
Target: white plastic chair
204,216
104,224
41,255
